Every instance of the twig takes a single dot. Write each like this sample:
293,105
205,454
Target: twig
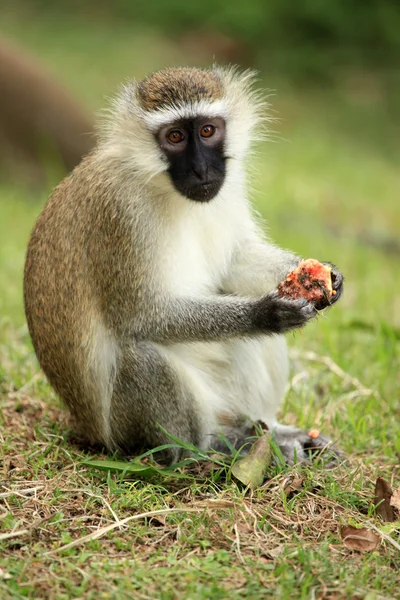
21,492
298,377
216,503
26,386
103,530
12,534
275,528
385,536
237,543
356,394
108,505
332,366
35,525
255,520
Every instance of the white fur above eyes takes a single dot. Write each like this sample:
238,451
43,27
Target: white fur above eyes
156,119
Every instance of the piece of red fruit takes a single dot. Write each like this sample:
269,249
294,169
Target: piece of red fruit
314,433
310,280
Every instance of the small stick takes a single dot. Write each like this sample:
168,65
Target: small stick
332,366
12,534
385,536
103,530
237,543
21,492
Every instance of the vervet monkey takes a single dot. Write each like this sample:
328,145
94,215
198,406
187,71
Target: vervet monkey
38,118
149,286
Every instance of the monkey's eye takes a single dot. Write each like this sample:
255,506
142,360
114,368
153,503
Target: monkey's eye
175,136
207,131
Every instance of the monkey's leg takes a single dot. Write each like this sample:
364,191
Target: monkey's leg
261,371
155,386
148,393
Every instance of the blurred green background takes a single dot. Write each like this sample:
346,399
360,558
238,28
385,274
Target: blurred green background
327,181
311,38
330,171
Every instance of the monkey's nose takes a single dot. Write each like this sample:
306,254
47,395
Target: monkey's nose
201,171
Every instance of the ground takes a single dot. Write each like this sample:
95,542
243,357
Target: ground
328,185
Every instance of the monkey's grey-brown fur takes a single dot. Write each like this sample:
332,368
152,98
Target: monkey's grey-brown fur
176,86
147,308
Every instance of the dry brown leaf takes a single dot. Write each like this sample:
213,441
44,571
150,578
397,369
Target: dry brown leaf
250,470
4,575
395,499
293,485
244,527
158,521
277,551
382,500
363,539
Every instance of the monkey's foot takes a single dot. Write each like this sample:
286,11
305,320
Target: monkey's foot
239,434
300,446
296,445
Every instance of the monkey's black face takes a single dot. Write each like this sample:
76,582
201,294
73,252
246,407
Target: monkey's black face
195,152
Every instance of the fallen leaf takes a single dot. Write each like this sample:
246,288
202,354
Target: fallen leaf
382,500
292,485
277,551
250,469
395,499
363,539
4,575
244,527
158,521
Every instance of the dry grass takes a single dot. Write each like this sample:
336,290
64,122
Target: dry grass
331,193
68,531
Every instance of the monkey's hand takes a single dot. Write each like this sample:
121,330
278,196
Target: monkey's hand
274,314
337,286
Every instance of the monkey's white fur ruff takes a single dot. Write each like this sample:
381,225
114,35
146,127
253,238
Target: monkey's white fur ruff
202,248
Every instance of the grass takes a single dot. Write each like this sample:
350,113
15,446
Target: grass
328,186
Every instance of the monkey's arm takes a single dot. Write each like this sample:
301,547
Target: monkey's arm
257,267
206,319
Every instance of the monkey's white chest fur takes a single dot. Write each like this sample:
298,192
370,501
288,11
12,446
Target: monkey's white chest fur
239,376
196,250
